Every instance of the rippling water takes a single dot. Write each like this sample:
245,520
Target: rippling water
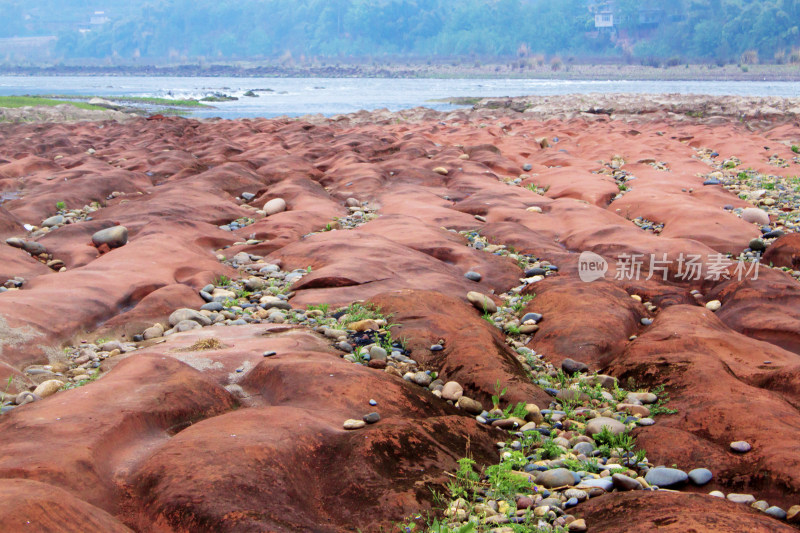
300,96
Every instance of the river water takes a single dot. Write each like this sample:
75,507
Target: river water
330,96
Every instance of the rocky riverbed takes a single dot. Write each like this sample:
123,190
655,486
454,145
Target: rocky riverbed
485,320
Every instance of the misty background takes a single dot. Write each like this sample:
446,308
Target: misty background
528,32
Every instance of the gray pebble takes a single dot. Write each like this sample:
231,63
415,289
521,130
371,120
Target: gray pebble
472,276
372,418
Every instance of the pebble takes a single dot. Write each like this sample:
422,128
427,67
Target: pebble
644,397
746,499
700,476
437,348
716,494
755,215
274,206
793,514
557,477
473,276
527,167
420,378
372,418
713,305
776,512
112,237
646,321
373,403
740,446
595,426
602,483
666,477
757,245
482,302
441,170
53,221
577,526
625,483
354,424
48,388
377,353
471,406
182,315
269,353
570,366
534,317
452,391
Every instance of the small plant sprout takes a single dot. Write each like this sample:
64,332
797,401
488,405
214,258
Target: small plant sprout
61,206
498,393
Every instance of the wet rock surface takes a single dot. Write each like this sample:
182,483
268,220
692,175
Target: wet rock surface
298,309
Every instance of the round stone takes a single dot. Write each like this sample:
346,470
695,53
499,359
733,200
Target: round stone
776,512
377,353
700,476
527,167
482,302
596,425
53,221
473,276
755,215
354,424
740,446
646,321
48,388
557,477
534,317
112,237
570,366
757,245
666,477
441,170
586,448
274,206
624,483
452,391
421,378
713,305
373,403
471,406
372,418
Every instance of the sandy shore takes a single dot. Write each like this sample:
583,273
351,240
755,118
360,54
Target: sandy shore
257,231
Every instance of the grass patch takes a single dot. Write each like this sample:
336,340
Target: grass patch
151,100
209,343
33,101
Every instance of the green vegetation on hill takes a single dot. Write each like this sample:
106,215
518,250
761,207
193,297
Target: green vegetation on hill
654,31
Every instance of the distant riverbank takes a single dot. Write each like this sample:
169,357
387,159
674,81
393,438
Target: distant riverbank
454,69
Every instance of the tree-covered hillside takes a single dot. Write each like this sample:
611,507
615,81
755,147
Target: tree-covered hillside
721,30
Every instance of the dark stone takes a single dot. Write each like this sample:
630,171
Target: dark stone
212,306
570,366
372,418
472,276
536,317
757,245
536,271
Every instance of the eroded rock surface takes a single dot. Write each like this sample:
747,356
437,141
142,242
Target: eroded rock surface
240,427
